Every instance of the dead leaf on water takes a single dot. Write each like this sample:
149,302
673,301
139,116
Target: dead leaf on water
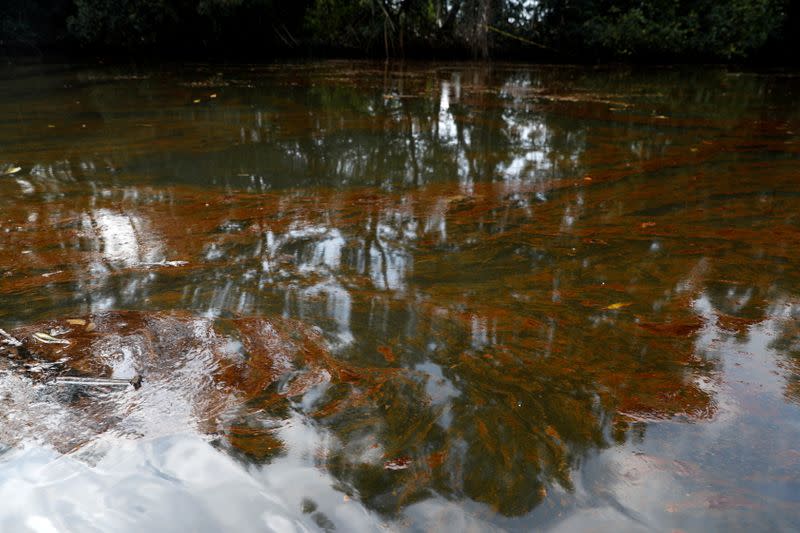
90,326
436,459
387,353
12,170
401,463
551,431
76,322
618,305
48,339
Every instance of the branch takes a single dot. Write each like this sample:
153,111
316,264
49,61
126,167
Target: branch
518,38
385,9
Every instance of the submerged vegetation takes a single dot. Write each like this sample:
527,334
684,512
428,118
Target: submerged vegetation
553,30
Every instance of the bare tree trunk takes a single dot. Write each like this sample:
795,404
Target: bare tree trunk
480,45
386,37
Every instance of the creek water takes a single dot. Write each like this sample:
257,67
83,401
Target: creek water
555,298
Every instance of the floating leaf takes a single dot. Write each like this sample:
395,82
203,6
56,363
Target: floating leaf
436,459
76,322
12,170
387,353
618,305
552,432
48,339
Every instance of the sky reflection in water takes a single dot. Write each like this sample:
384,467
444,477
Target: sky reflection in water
567,297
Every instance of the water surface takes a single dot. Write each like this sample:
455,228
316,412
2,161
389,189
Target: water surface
557,298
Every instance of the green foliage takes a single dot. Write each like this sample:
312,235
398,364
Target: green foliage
735,28
122,23
672,30
14,29
352,24
28,24
646,28
186,26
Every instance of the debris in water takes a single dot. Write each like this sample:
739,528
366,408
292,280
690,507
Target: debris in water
618,305
90,326
387,353
48,339
135,382
76,322
166,263
401,463
8,339
11,170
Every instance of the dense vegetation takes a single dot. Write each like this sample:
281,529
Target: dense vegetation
560,30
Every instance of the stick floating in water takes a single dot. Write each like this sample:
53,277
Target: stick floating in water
9,339
136,381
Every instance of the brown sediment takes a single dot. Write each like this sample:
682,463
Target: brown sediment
672,328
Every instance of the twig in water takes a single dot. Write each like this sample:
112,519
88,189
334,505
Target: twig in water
136,381
9,339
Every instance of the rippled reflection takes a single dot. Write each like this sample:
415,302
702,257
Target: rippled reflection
554,295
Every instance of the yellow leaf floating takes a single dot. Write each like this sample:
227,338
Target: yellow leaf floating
618,305
12,170
48,339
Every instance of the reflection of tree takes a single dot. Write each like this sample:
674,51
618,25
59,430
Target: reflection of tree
449,244
532,390
534,394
